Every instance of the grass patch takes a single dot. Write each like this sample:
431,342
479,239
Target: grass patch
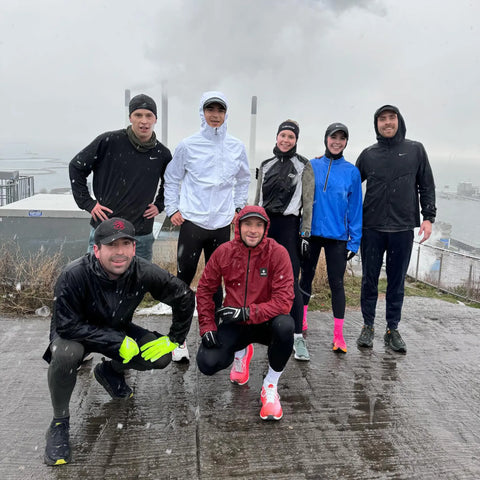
27,280
321,299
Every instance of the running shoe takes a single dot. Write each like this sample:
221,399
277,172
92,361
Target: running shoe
180,354
300,349
271,408
57,450
240,372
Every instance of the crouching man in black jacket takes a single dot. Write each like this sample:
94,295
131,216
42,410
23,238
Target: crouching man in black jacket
95,299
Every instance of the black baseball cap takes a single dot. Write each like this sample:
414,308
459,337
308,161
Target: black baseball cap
336,127
113,229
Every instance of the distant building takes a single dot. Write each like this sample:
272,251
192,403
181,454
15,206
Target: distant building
467,188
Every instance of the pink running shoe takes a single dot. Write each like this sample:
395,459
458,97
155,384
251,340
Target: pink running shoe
339,345
240,372
271,408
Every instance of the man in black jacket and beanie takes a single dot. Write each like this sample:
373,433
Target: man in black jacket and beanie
399,177
128,167
95,299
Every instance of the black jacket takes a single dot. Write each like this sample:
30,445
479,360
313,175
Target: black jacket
124,179
398,175
279,183
94,310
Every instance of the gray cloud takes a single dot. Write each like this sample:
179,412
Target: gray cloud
65,64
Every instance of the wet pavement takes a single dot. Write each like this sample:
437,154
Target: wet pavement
369,414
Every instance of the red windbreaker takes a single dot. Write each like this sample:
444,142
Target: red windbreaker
260,278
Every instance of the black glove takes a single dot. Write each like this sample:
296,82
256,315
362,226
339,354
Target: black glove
304,248
350,255
233,314
210,339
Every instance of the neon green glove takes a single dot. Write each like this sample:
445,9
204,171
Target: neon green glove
128,349
157,348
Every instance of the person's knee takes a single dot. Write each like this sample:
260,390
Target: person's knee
66,355
162,362
283,325
336,284
159,364
207,361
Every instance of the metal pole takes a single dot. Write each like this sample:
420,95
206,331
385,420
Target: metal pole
164,114
418,262
440,269
127,101
470,281
253,132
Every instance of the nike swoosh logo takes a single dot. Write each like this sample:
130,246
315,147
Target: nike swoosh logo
401,154
153,158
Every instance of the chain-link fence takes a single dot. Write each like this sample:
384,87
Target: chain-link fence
447,270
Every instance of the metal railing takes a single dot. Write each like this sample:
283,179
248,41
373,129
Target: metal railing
14,187
447,270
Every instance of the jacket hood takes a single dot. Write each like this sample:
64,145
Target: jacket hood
402,129
204,125
251,209
331,129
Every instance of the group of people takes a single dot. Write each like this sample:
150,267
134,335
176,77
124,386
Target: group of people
266,270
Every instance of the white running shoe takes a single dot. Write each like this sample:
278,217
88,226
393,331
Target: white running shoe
85,360
180,354
300,349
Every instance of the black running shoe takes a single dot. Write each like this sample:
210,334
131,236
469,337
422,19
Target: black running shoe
113,382
394,340
57,451
366,337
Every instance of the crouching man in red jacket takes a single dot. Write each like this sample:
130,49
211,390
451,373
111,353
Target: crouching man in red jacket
258,278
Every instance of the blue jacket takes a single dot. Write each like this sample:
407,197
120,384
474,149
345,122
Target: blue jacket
337,202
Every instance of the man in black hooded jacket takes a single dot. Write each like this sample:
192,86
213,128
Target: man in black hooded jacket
95,299
399,178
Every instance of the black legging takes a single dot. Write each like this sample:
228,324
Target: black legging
277,334
67,355
285,230
192,240
336,258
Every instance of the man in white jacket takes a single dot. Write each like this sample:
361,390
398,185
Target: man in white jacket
206,184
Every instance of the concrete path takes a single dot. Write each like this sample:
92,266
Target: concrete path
369,414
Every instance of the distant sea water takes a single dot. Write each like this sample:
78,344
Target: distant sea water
462,215
49,173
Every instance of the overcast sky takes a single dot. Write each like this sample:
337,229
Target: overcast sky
65,64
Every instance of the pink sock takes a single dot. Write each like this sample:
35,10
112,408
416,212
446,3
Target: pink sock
305,324
338,327
338,341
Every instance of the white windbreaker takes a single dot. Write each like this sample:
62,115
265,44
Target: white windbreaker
208,176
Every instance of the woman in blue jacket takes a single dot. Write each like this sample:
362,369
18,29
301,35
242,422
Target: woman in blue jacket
333,221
